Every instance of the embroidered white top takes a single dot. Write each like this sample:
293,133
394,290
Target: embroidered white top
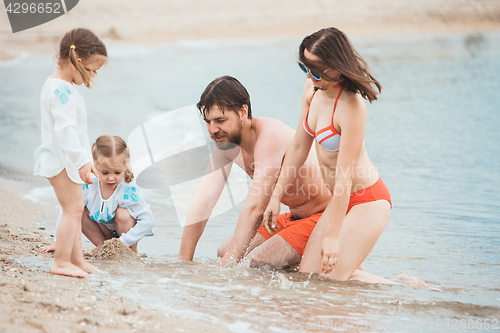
126,195
65,143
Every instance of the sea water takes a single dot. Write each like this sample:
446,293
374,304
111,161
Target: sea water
433,136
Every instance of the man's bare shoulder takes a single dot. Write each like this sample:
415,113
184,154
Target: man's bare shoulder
272,129
272,138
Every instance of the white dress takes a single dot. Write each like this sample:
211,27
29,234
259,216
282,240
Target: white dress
126,195
65,144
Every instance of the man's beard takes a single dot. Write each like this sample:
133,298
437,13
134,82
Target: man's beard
234,140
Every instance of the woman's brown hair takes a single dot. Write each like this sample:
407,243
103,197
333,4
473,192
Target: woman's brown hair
81,44
107,146
336,51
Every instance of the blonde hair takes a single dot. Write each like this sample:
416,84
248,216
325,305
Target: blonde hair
81,44
107,146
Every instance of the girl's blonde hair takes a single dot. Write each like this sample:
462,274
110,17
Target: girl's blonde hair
81,44
107,146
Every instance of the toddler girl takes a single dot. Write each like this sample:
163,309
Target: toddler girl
114,205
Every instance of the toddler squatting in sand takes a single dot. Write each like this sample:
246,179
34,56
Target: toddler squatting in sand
114,204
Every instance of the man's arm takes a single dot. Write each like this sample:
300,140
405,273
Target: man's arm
190,237
203,203
267,164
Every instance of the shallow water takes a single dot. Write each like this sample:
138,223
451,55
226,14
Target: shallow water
432,135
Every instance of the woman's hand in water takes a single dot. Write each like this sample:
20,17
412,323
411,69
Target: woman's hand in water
269,219
330,251
85,172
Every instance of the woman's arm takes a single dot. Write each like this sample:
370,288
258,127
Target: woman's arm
295,157
352,126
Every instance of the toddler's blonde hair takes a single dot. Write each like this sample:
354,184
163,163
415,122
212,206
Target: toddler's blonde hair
107,146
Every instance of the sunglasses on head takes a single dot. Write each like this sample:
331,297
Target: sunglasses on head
306,70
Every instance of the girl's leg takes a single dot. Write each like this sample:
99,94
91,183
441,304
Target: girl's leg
77,253
93,231
124,222
360,231
70,198
107,235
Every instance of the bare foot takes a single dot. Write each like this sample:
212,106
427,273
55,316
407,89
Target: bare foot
88,267
417,283
402,278
68,269
49,248
412,282
363,276
95,251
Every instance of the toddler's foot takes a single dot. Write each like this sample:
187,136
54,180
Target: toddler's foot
68,269
95,251
49,248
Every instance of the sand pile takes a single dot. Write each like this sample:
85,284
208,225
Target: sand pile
117,250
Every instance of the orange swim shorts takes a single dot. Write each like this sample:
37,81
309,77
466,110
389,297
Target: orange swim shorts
295,232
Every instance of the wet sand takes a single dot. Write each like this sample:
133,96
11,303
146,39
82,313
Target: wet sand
35,300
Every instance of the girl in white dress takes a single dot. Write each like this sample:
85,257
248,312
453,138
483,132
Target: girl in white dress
64,155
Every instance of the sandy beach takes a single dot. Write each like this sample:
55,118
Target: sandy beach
37,301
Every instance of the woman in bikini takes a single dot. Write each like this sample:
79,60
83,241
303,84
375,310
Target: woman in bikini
334,115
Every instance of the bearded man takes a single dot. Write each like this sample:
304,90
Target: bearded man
258,146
